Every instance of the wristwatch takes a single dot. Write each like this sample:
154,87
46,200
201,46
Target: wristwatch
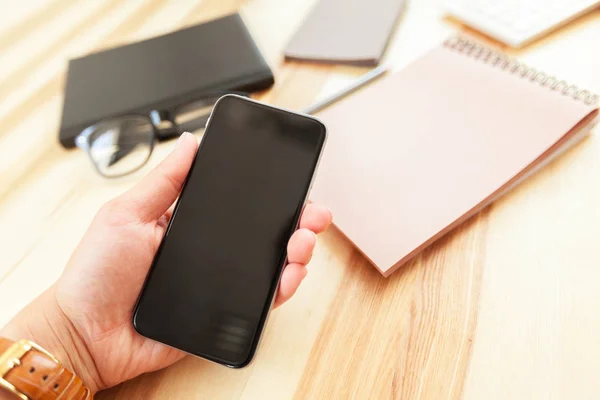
31,373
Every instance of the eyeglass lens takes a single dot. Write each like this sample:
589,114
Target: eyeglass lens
121,146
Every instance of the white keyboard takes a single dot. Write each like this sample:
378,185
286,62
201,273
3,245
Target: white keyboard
517,22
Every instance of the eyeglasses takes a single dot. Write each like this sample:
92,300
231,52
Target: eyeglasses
122,145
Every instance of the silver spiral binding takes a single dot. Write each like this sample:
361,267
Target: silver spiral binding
512,65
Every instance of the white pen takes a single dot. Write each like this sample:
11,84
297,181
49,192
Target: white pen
360,82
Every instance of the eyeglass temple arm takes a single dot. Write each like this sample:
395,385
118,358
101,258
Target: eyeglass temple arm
176,130
170,133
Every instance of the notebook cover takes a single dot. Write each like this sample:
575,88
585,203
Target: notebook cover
161,72
345,31
417,152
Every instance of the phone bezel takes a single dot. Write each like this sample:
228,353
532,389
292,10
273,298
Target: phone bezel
282,262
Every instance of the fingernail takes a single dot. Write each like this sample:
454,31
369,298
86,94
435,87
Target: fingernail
305,273
184,134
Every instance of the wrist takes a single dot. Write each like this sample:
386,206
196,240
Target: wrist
44,323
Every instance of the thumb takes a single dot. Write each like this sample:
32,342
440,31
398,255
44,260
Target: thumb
158,190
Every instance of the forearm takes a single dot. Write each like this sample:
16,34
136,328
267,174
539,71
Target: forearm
44,323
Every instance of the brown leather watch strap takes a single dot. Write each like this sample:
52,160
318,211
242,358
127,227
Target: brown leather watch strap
29,372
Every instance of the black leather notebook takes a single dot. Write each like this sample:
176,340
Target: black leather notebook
161,73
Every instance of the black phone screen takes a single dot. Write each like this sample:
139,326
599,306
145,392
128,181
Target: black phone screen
215,274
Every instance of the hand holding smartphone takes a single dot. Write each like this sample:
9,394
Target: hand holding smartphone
215,275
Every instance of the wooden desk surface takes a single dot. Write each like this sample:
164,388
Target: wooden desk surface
506,307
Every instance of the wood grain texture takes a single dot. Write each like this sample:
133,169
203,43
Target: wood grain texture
505,307
426,347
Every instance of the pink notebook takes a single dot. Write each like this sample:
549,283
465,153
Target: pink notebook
418,152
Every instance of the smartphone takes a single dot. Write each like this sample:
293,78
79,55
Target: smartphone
215,275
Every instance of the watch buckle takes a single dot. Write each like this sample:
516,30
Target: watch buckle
11,358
